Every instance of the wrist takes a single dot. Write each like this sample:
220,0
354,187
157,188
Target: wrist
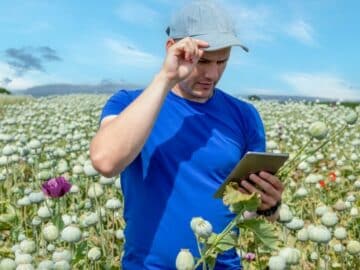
166,79
271,211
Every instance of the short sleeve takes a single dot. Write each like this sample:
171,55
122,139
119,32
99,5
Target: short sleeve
115,104
256,138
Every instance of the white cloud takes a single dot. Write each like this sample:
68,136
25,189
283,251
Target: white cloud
302,32
321,85
127,54
30,79
136,13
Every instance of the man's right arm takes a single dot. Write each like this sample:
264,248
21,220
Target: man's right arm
121,138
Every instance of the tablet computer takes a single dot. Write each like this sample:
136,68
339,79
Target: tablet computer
253,162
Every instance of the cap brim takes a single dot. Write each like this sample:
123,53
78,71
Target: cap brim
219,41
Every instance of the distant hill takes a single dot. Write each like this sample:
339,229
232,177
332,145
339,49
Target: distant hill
65,89
109,87
292,98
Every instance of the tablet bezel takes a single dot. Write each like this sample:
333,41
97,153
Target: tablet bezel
253,162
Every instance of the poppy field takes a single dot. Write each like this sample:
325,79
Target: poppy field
57,212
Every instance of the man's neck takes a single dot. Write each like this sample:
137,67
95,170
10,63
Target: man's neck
183,94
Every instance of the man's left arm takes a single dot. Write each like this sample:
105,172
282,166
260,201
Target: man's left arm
270,189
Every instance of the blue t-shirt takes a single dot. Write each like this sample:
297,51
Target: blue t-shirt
189,153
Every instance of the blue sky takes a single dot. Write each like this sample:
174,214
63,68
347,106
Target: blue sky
296,47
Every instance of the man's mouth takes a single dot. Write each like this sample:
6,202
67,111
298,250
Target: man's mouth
205,84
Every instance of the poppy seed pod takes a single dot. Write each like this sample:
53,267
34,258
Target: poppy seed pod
95,190
285,214
301,192
8,150
7,264
295,224
23,259
351,118
303,235
36,197
27,246
119,234
34,144
113,204
46,264
353,247
94,254
71,234
277,263
354,212
44,212
89,170
50,232
201,227
291,255
340,233
62,255
340,205
338,248
184,260
318,130
319,234
321,210
329,219
24,201
27,266
50,247
314,256
63,265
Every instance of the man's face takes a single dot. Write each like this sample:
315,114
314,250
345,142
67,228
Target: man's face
199,85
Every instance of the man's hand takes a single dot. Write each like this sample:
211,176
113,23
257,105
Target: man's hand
182,57
267,185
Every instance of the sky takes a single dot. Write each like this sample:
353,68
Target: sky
297,47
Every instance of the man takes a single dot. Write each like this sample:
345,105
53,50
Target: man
175,142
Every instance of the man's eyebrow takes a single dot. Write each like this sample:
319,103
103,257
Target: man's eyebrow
209,60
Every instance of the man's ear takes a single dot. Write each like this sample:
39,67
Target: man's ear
169,43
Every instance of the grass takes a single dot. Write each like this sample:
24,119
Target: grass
10,99
349,104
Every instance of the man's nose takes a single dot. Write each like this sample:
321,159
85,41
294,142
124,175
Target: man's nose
212,71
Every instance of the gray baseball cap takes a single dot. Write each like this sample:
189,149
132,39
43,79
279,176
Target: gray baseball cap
205,20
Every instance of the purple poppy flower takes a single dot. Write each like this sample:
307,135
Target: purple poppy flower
249,256
56,187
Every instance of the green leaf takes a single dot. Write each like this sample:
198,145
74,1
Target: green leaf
211,239
240,202
80,252
5,252
58,222
264,232
7,220
211,260
227,242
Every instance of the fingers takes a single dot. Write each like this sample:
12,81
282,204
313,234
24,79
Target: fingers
242,190
265,186
272,179
201,44
263,205
191,49
267,200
